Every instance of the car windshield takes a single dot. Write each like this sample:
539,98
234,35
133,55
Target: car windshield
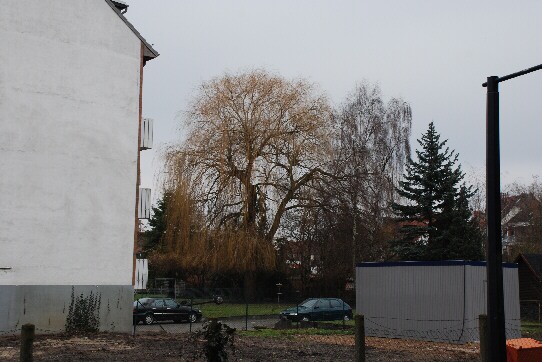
143,302
309,303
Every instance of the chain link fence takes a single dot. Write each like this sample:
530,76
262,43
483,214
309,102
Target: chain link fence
172,312
531,310
317,327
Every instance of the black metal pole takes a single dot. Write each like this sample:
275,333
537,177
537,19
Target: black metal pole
495,294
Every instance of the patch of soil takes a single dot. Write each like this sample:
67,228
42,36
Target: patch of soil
184,347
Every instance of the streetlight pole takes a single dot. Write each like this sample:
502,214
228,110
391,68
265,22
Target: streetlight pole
495,293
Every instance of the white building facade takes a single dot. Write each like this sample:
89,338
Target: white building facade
70,115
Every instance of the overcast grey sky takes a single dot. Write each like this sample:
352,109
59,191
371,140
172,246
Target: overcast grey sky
433,54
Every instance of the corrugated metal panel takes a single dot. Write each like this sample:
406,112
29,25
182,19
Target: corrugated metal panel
438,303
146,134
142,274
476,288
511,303
144,209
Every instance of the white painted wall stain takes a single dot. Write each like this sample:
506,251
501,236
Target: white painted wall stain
69,107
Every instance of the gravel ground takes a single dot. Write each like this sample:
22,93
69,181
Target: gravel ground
183,347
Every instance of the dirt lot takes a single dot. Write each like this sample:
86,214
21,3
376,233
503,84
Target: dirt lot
183,347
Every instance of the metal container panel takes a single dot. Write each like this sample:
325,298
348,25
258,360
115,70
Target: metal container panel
438,301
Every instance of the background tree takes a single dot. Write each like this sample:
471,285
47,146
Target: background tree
350,218
267,168
437,221
255,142
153,238
370,152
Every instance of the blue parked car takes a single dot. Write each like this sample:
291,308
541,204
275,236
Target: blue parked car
319,309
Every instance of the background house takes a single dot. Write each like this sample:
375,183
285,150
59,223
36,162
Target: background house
521,224
530,285
71,78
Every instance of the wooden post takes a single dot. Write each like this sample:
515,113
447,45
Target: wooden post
27,341
482,327
360,338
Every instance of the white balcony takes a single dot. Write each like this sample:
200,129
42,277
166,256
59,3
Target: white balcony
146,134
144,208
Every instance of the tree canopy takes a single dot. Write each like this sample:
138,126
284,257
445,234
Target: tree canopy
255,142
370,152
437,223
270,178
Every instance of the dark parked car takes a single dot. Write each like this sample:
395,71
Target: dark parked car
148,310
319,309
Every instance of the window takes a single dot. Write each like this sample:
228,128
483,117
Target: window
158,304
323,303
309,303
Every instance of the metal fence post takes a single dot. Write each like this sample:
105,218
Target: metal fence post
360,338
297,314
344,317
482,327
191,311
27,341
246,315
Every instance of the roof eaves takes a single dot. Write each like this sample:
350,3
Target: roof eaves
150,52
121,5
526,258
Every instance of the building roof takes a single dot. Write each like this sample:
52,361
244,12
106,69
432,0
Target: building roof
117,6
518,209
533,261
429,263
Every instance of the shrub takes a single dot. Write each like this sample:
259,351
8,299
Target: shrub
218,336
83,314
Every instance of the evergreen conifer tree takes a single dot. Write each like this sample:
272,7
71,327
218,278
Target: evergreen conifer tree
153,238
437,221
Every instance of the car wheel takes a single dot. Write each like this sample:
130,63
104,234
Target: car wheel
346,318
192,318
149,319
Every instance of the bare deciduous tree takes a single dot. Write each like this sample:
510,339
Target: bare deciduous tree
255,141
372,149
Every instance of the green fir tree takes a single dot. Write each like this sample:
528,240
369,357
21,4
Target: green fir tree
153,238
437,223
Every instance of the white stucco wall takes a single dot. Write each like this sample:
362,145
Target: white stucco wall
69,106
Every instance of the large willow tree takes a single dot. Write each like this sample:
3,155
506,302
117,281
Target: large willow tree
254,142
